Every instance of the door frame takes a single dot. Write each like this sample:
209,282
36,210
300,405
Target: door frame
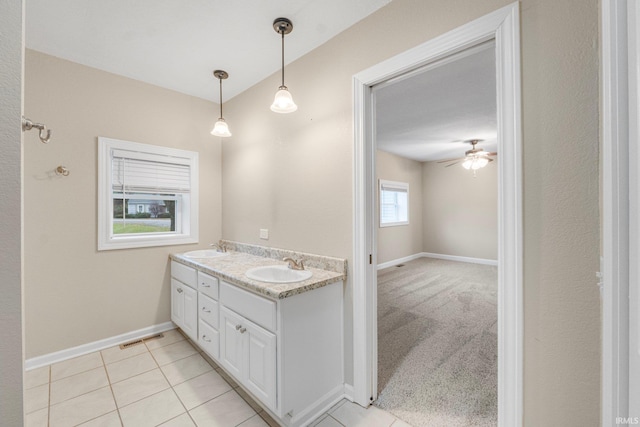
620,281
503,26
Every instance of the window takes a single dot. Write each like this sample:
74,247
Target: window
394,203
147,195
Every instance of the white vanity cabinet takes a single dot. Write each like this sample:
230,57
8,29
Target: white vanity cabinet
184,299
286,352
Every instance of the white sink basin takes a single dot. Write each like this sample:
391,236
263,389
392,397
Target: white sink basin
278,274
205,253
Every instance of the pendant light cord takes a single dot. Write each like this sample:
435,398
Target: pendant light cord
221,98
282,32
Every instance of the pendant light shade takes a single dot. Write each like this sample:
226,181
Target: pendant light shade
283,102
221,128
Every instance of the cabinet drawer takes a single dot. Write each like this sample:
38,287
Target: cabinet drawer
208,285
209,340
186,275
208,310
257,309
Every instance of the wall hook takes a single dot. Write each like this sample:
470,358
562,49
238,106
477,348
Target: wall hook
44,134
62,170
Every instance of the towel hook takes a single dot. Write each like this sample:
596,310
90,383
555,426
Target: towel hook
44,134
62,170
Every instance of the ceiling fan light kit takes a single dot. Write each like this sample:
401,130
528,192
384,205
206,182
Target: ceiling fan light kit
475,162
473,159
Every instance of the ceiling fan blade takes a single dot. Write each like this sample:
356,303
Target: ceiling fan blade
450,160
455,163
492,154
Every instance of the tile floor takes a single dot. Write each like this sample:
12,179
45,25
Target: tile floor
163,382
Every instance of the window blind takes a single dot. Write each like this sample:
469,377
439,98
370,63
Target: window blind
135,173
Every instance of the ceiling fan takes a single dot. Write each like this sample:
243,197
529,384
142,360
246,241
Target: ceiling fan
473,159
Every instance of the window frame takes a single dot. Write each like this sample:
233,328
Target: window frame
186,231
402,187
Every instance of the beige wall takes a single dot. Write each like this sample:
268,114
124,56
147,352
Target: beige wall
403,240
73,293
460,211
451,211
292,174
11,342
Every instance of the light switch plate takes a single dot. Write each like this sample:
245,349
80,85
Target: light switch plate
264,233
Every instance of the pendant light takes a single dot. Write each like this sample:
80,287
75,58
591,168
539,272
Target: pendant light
283,102
221,128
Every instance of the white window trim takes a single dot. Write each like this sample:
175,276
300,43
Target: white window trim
403,186
106,239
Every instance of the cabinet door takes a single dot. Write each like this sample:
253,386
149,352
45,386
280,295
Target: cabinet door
177,303
260,363
231,342
190,324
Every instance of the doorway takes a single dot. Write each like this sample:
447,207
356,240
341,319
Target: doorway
437,241
503,27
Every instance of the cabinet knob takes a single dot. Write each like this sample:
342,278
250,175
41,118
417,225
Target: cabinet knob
204,285
204,338
179,290
243,330
205,310
238,327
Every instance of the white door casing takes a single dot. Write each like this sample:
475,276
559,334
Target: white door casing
620,223
503,27
633,25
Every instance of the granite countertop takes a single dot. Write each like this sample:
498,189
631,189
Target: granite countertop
232,268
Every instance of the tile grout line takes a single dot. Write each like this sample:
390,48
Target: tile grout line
174,392
49,403
336,420
111,389
204,403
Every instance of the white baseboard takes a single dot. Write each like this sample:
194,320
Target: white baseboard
348,392
70,353
461,258
399,261
322,405
437,256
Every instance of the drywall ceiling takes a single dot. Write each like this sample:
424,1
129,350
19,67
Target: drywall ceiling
177,44
428,114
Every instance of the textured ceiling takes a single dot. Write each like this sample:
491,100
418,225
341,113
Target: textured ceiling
177,44
428,115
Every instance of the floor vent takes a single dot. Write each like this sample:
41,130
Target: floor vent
140,341
153,337
400,265
130,344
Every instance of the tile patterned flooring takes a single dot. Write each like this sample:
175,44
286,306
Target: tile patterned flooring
163,382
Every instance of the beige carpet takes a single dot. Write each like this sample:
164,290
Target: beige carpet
437,343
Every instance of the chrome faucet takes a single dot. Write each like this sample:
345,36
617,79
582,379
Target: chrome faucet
294,264
220,247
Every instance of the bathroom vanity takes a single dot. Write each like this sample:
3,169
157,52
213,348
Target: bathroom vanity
282,342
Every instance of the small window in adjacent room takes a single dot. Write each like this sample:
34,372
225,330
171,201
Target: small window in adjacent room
147,195
394,203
